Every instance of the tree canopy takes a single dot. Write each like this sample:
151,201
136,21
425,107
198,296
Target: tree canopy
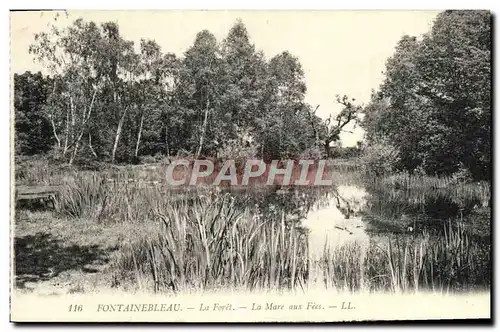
434,106
104,101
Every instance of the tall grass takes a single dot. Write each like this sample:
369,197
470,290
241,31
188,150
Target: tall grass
202,239
402,182
411,264
82,197
425,203
212,245
29,171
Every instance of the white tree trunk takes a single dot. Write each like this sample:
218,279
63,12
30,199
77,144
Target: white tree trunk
55,131
66,135
203,130
75,151
117,136
52,121
85,119
72,113
90,146
139,136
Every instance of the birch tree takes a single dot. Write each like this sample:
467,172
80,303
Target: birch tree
71,55
199,86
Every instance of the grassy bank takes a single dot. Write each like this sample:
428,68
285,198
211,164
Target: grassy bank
142,235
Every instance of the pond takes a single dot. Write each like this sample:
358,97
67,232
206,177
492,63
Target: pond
395,233
366,229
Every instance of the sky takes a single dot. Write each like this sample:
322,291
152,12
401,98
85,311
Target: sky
341,52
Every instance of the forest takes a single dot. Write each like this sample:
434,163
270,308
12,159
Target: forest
103,101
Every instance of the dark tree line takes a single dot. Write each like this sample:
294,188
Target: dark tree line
106,102
432,113
32,129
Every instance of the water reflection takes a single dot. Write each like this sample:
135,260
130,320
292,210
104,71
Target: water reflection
418,210
336,221
336,212
349,217
340,236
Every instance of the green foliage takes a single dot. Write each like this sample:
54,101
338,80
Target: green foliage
110,103
380,158
434,106
32,128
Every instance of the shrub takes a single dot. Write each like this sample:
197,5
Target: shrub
237,151
83,197
380,158
462,175
148,159
312,153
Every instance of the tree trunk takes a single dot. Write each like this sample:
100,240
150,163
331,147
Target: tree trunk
85,119
327,148
203,130
75,151
90,146
54,131
66,136
117,136
52,121
166,141
313,125
139,136
72,112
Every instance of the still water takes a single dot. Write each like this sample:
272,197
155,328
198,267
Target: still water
354,217
337,221
334,223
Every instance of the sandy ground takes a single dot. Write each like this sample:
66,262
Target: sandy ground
56,256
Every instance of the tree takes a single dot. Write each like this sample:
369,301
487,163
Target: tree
71,56
198,88
280,129
120,66
107,102
434,104
242,85
91,66
155,79
33,132
329,131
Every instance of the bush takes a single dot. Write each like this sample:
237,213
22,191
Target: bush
148,159
237,151
380,158
312,153
462,175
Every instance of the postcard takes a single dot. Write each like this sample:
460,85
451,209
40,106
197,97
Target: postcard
250,166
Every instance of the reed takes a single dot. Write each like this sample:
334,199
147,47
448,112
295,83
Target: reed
204,239
411,264
211,245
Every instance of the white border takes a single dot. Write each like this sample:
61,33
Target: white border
185,4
